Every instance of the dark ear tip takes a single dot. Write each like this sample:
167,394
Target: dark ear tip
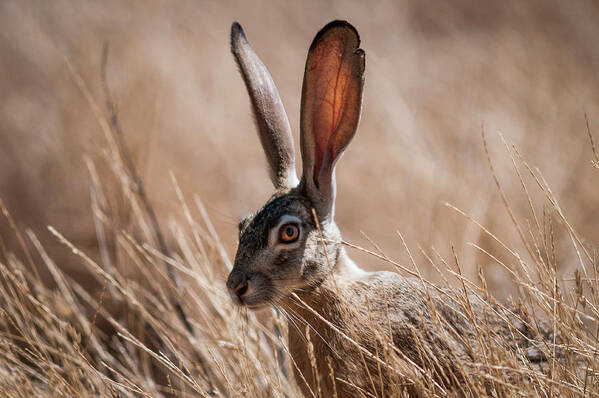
337,24
236,33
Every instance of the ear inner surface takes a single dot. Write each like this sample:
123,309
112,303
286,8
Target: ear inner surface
269,113
331,103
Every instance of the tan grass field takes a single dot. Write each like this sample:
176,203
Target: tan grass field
87,306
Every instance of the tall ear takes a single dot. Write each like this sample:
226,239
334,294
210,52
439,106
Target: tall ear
331,105
269,113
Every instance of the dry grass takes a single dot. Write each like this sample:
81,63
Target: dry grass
95,316
128,340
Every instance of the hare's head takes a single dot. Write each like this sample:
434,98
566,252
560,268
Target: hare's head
282,246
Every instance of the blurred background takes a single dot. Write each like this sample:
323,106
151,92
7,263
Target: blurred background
436,72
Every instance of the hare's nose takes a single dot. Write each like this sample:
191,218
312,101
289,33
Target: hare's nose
237,284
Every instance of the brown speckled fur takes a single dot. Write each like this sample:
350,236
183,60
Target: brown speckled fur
445,342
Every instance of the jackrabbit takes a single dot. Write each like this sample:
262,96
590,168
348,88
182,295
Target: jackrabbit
344,323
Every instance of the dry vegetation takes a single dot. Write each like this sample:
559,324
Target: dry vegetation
88,307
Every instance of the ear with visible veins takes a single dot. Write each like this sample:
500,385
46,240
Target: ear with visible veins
330,109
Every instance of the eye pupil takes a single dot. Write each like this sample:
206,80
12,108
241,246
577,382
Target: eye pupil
289,233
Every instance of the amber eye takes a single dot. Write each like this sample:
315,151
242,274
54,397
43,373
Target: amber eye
289,233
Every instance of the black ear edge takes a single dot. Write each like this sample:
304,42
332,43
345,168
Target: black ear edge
237,33
331,25
362,59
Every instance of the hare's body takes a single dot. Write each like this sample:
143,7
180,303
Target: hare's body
381,302
351,333
362,308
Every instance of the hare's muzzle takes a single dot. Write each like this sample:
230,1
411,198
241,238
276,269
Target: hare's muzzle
238,285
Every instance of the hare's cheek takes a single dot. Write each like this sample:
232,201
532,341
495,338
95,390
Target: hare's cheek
288,261
310,268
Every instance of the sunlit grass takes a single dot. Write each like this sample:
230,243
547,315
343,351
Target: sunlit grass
129,340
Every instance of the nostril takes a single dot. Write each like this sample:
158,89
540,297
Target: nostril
241,289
